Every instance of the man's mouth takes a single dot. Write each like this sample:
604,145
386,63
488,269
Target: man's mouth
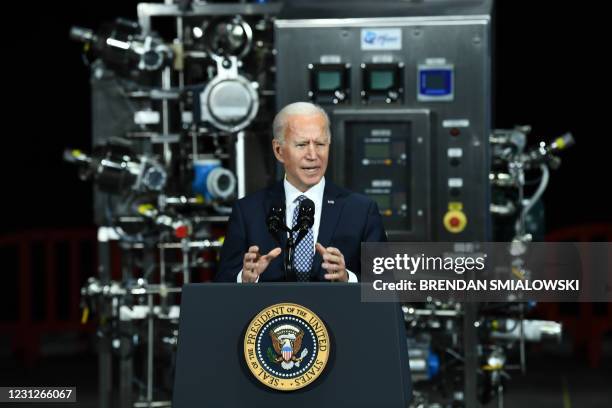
310,170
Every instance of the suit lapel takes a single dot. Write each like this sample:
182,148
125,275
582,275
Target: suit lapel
331,208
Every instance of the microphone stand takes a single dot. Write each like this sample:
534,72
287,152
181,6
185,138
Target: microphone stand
290,275
276,224
289,251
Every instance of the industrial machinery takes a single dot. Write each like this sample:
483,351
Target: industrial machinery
179,98
409,98
448,340
183,101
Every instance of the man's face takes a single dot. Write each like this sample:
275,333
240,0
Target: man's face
305,151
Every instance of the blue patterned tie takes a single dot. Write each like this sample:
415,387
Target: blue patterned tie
304,250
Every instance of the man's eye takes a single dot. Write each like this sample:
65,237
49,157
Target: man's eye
300,145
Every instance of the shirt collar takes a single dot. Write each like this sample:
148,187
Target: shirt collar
315,193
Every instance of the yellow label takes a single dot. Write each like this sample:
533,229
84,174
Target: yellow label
455,206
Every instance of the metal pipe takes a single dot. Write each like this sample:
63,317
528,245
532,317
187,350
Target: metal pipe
185,252
177,245
162,265
150,350
166,85
240,165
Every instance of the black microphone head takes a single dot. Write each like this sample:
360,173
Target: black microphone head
276,218
306,214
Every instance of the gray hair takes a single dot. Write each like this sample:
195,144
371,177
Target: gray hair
279,126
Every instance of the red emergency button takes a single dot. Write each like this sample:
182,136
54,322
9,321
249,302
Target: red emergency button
455,132
455,221
182,231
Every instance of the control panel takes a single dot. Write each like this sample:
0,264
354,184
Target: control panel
410,106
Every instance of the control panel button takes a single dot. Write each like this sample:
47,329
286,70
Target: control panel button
455,221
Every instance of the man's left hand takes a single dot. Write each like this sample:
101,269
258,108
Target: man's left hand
333,263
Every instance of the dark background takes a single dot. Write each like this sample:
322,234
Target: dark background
550,73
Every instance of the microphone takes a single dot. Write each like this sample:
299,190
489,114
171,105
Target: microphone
276,225
305,221
276,219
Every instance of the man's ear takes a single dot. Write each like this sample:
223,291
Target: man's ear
277,149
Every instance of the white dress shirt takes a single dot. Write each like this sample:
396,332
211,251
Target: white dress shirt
315,193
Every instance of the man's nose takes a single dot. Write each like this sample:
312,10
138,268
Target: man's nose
311,152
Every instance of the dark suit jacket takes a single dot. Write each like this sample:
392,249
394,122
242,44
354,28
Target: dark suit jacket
347,219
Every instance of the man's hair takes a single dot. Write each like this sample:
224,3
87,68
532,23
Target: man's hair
281,120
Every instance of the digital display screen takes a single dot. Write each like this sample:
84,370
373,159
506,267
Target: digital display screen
381,80
329,80
383,201
378,162
435,80
377,151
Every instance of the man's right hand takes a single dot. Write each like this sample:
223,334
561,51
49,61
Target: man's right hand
254,263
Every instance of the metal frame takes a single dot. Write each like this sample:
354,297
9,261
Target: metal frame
147,10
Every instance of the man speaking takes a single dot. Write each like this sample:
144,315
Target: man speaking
329,250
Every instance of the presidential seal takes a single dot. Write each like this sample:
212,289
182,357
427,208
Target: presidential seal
286,346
